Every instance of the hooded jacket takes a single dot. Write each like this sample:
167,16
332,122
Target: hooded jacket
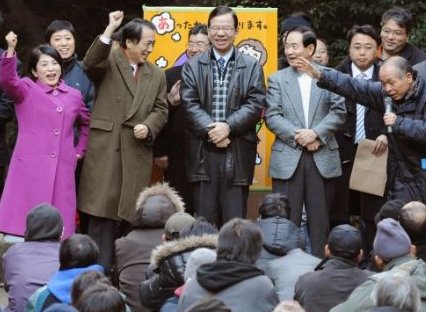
154,206
279,236
240,286
31,264
169,263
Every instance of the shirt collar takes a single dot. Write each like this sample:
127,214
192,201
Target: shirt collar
226,57
47,89
356,71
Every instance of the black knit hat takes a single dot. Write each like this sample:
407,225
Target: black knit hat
44,223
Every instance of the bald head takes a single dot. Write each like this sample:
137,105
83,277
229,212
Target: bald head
398,63
397,77
413,220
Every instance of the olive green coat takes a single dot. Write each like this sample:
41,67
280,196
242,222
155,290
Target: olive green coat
117,166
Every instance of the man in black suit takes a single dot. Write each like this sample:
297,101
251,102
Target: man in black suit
361,123
169,145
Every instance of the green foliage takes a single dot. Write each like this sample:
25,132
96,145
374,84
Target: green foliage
332,19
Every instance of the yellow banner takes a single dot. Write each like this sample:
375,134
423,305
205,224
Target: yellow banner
257,36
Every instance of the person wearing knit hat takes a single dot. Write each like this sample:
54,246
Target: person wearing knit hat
391,241
30,264
44,223
394,253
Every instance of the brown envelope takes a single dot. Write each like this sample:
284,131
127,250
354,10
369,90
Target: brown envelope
369,171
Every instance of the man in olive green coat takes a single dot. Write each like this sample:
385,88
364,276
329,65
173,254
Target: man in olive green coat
129,111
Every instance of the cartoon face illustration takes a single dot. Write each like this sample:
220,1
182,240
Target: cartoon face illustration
164,23
255,48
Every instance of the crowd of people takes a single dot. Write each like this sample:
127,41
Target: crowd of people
91,131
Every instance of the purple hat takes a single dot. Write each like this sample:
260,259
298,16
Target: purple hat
391,240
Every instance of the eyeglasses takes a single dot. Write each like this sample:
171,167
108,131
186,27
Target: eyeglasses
387,32
198,45
225,28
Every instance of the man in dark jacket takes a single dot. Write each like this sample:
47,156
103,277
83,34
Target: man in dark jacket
396,25
361,123
404,93
169,147
339,272
222,93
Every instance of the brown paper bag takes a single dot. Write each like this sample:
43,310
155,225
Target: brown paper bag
369,171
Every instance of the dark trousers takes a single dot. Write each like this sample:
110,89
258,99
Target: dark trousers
218,200
104,232
308,188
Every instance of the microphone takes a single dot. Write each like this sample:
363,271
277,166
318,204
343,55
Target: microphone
388,102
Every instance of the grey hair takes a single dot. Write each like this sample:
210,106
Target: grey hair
399,290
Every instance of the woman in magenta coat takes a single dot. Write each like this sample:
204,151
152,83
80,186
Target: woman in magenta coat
44,160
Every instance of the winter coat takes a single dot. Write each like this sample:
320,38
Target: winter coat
132,252
169,263
75,76
340,277
245,101
117,165
279,236
44,160
28,266
360,300
58,289
240,287
407,143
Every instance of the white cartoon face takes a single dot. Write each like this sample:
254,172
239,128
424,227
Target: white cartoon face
164,23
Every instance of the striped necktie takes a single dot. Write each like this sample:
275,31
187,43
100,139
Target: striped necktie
221,64
360,113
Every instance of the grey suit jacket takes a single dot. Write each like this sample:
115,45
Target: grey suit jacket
284,115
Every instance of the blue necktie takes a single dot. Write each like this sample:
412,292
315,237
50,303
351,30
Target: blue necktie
221,64
360,113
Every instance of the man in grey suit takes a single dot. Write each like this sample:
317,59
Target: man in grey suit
305,157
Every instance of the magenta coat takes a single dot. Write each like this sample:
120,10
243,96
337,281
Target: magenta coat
44,160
